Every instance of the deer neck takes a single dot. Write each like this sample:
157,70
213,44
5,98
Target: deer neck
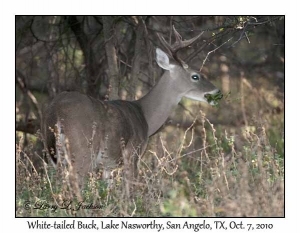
158,104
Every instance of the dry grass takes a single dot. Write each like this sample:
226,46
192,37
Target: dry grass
175,179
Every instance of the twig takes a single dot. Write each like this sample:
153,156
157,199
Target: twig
171,26
148,47
264,22
214,50
191,152
30,126
133,212
126,64
247,37
241,36
39,39
242,77
208,42
21,83
184,137
30,49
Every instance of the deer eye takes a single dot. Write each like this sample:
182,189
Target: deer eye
195,77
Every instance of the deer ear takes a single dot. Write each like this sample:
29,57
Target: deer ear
162,59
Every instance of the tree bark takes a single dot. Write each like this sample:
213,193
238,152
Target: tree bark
89,56
113,69
136,60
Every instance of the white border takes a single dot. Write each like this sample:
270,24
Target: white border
12,7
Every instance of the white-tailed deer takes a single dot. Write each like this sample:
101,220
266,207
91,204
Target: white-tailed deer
103,134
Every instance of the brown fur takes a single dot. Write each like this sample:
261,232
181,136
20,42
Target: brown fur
92,126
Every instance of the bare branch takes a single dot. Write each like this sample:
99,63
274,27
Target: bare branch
31,126
30,49
214,50
207,42
171,26
148,47
241,36
20,80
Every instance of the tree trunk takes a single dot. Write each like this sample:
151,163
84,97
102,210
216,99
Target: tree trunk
113,69
136,60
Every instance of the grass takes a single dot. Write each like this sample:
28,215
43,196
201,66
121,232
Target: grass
175,179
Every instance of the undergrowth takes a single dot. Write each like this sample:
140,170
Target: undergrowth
228,176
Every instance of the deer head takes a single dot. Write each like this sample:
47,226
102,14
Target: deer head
193,85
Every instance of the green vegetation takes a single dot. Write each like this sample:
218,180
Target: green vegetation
223,178
214,99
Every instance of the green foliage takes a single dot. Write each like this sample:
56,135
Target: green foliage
215,99
177,205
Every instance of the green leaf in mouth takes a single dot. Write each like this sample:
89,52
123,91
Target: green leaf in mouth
214,99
